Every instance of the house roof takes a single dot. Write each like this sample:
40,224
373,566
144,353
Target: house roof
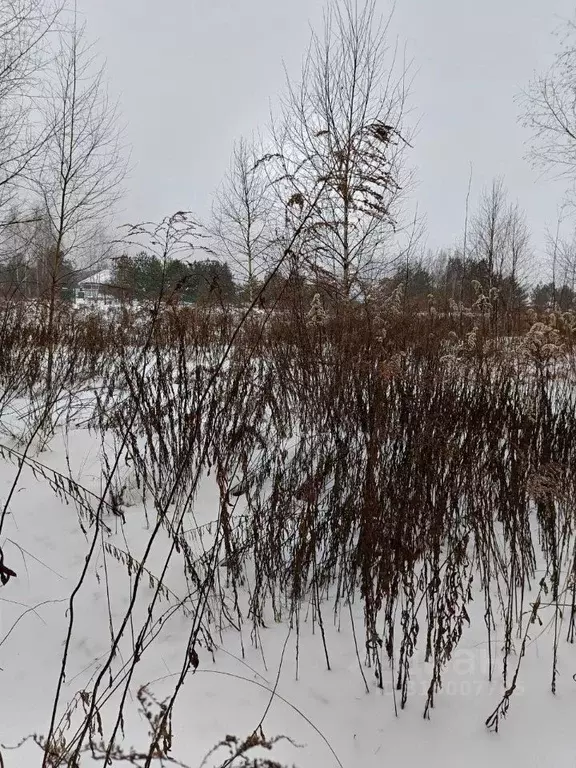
104,277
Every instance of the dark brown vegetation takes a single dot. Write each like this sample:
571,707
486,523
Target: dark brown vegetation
410,461
385,432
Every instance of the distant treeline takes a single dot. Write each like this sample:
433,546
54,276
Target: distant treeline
145,276
445,280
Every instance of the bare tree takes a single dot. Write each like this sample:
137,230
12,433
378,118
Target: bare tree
499,235
564,251
83,164
519,251
241,215
24,241
549,110
24,51
489,228
340,146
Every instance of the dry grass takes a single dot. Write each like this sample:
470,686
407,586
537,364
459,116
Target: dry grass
413,462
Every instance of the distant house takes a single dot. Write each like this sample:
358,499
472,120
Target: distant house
95,286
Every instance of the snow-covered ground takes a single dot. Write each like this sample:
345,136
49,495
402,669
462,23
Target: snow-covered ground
327,714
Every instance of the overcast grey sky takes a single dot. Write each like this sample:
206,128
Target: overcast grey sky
193,75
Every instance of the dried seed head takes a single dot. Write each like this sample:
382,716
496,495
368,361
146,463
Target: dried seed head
317,314
476,286
482,303
471,338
